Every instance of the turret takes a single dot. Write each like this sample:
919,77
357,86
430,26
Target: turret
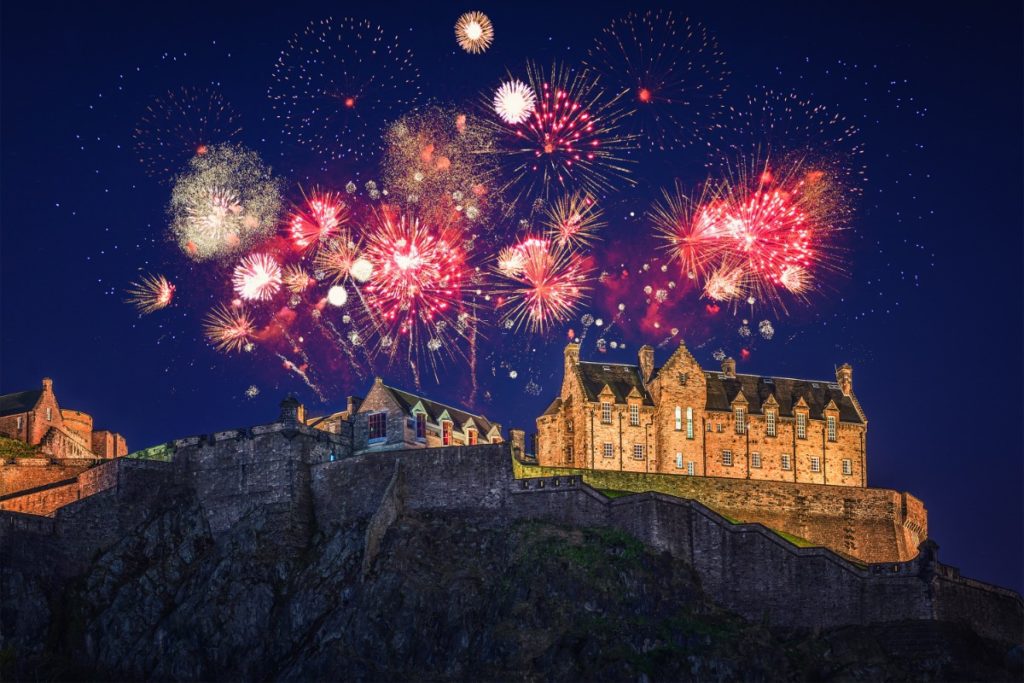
844,378
729,367
572,356
292,410
646,356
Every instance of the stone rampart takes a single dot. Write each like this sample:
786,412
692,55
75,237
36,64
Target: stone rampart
45,500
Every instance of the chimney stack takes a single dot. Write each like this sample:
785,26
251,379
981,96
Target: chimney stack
572,356
646,356
729,367
844,378
291,410
353,405
518,438
47,385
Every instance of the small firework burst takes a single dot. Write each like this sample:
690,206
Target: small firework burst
573,220
257,277
548,288
514,101
295,278
670,68
726,283
474,32
229,328
179,125
511,261
318,218
151,293
692,240
337,258
223,203
338,82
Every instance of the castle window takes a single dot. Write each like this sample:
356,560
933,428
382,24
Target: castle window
741,422
421,426
719,428
679,418
378,423
801,425
446,432
49,413
606,450
769,422
785,462
568,426
727,458
679,461
638,451
689,423
831,422
606,413
690,468
634,415
815,464
471,437
19,421
495,439
755,460
568,454
847,466
708,425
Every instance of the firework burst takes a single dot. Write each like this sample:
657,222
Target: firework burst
223,203
337,258
179,125
545,285
337,82
573,220
571,140
670,68
514,101
295,278
229,328
257,277
691,239
151,293
474,32
318,218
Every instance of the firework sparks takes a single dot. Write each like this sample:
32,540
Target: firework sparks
338,258
573,220
474,32
691,239
229,328
337,82
726,283
319,218
257,277
226,201
514,101
295,278
670,69
151,293
179,125
547,287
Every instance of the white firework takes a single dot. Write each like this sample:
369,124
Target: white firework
257,277
514,101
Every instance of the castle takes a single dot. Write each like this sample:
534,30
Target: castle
682,419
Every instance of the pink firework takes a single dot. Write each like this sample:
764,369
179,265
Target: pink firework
693,240
547,285
257,277
320,217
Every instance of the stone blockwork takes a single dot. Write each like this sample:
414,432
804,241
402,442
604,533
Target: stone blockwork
304,482
45,500
20,474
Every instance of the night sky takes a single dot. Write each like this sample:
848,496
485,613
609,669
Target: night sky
928,310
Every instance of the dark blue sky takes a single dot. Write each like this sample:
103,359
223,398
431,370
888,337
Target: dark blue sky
930,314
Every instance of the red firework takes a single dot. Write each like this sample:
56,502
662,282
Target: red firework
320,217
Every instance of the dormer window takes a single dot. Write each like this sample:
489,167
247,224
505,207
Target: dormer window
421,426
471,436
634,415
446,432
830,422
741,422
606,413
769,422
378,426
801,425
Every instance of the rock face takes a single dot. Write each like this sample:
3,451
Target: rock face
262,558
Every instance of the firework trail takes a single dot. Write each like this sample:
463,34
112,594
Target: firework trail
337,82
474,32
292,367
670,70
151,293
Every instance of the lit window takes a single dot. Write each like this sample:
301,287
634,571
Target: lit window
495,439
815,464
471,437
568,454
801,426
719,428
755,460
785,462
634,415
49,413
568,426
690,468
421,425
741,421
638,451
727,458
606,449
679,418
606,413
679,461
446,433
378,423
847,466
708,425
831,422
769,422
689,423
19,421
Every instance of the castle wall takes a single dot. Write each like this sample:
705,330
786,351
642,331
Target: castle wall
47,499
28,473
78,423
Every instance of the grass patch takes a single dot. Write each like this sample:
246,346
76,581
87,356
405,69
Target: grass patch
613,493
12,448
795,540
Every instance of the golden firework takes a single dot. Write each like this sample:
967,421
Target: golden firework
474,32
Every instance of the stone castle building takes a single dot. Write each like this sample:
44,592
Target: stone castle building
682,419
34,417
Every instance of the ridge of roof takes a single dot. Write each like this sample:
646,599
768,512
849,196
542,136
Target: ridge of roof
437,403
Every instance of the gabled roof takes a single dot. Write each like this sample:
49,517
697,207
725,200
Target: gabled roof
20,402
788,392
621,379
555,406
407,401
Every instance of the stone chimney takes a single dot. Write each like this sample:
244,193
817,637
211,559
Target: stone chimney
353,405
518,439
47,385
291,410
572,356
844,378
729,367
646,356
